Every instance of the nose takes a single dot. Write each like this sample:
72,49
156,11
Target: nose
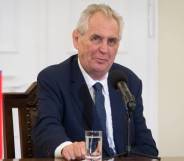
104,47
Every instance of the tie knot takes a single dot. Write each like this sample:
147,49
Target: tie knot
98,86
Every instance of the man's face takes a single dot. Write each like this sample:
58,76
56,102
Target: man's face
98,46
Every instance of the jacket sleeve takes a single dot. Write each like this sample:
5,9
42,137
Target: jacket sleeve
48,132
142,139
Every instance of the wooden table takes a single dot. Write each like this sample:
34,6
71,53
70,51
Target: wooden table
114,159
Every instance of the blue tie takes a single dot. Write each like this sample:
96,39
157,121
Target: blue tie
100,109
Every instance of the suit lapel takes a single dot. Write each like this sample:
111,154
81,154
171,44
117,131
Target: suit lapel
81,95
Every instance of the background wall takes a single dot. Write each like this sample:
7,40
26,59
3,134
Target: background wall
37,33
171,77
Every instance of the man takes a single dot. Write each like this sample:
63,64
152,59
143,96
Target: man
66,94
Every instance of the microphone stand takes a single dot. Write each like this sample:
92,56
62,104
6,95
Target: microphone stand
130,108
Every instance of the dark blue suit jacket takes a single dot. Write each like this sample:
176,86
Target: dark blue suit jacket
65,107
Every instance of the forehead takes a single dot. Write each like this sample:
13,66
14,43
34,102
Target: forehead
103,25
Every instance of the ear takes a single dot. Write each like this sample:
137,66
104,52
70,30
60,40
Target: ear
76,36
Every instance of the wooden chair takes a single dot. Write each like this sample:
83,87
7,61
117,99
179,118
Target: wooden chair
26,104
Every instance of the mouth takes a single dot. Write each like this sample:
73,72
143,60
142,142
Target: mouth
101,60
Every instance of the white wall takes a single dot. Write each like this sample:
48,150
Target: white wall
171,77
37,33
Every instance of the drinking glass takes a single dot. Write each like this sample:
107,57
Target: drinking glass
93,145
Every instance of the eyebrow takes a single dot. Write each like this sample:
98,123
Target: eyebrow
110,37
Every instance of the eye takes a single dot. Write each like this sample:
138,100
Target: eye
112,41
96,39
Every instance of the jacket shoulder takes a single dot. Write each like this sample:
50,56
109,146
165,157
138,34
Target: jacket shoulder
57,71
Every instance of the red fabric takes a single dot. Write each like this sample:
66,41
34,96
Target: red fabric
1,118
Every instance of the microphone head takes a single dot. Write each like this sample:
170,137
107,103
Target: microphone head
116,76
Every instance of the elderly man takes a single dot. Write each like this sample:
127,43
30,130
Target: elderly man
67,94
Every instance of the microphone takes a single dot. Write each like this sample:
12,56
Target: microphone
119,81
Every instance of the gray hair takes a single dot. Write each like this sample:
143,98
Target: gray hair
82,24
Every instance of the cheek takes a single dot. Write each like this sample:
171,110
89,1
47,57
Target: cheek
112,54
86,48
91,51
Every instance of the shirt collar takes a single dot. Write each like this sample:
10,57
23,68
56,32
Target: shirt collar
90,81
